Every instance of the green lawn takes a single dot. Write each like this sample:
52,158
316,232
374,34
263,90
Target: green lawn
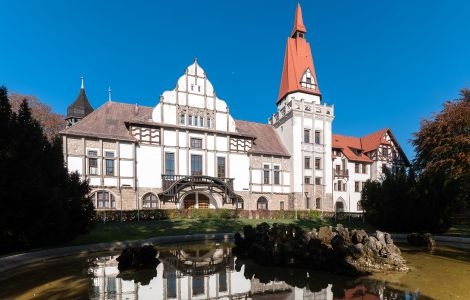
110,232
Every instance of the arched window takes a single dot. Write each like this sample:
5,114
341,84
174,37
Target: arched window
262,203
359,205
339,206
104,199
318,203
149,200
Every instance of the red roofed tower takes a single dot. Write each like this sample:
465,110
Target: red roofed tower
298,74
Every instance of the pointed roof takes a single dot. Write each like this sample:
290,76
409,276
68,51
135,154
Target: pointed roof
81,107
297,60
365,144
298,22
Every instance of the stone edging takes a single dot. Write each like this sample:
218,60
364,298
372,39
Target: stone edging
14,261
437,238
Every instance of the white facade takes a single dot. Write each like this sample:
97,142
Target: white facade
189,152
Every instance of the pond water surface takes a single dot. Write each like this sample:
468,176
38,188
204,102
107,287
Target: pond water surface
210,271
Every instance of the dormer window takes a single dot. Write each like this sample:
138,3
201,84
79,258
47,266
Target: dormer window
308,81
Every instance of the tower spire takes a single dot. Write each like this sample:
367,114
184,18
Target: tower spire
298,73
298,22
83,82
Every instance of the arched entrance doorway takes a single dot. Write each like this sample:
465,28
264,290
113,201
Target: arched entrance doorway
339,206
197,200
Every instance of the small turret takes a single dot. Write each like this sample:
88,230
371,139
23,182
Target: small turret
80,108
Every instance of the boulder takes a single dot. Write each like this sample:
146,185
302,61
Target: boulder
421,239
358,236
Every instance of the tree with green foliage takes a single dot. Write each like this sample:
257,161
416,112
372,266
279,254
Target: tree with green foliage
42,204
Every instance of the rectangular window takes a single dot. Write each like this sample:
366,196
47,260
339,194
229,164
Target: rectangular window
198,285
356,187
340,186
307,162
306,136
208,122
223,281
317,137
307,204
196,143
385,151
182,117
317,180
318,163
364,168
356,168
171,284
196,165
109,167
221,167
190,120
281,205
318,203
201,121
266,174
169,163
307,179
93,162
109,163
277,175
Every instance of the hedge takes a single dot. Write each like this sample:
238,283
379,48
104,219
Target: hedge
168,214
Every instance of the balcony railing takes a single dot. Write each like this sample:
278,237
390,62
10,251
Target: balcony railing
341,173
168,180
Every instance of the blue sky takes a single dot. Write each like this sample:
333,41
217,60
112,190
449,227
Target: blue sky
381,63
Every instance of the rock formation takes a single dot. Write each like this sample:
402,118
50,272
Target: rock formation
346,252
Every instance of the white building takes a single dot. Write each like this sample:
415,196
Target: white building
188,151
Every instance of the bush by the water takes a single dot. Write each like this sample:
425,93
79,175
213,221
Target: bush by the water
41,203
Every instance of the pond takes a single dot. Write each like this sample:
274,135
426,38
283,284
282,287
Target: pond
210,271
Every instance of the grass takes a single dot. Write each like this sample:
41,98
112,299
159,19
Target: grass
112,232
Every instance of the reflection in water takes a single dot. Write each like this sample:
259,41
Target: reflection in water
212,272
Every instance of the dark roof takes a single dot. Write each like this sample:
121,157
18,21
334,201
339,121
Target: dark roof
109,121
267,140
80,108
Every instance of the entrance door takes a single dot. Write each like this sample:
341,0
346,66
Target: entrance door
190,201
196,199
203,201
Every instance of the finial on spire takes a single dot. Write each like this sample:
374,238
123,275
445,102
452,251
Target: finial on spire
109,94
83,82
298,22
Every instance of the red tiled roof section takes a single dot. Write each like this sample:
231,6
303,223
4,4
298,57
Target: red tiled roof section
297,59
108,121
374,140
347,144
267,140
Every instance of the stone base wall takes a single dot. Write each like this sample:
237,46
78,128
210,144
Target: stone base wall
130,199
